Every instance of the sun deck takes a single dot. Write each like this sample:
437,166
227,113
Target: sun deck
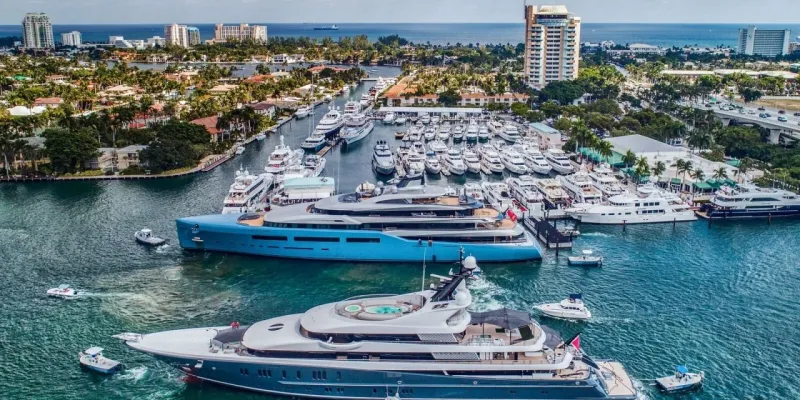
617,380
255,220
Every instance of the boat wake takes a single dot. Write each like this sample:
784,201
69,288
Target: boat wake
133,374
163,249
485,295
610,320
595,234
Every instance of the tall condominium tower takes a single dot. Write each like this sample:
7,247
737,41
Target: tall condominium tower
764,42
37,32
552,44
176,35
71,38
193,35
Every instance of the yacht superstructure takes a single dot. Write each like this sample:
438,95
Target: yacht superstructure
750,201
247,192
658,206
604,180
356,127
580,188
394,224
559,161
424,345
281,158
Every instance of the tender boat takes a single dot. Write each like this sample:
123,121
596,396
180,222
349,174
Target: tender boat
63,291
423,345
586,259
681,381
382,159
432,164
145,236
239,150
399,135
401,120
356,128
93,359
571,308
261,136
389,118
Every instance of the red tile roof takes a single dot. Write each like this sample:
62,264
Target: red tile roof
45,101
210,123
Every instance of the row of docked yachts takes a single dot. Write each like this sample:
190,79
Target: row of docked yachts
428,128
352,124
285,169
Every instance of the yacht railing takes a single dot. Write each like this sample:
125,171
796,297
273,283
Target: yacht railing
368,296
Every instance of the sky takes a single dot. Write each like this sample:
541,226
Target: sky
342,11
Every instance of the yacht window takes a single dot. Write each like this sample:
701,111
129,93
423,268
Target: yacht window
637,204
316,239
363,240
258,237
627,213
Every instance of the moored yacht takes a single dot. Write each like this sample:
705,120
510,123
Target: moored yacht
523,188
513,161
365,100
559,161
430,132
351,108
750,201
622,209
458,133
495,127
490,160
439,147
356,128
247,192
281,158
483,134
414,164
304,190
432,164
315,164
509,133
551,189
425,118
604,180
444,132
472,160
315,142
536,162
497,195
453,162
423,345
389,118
382,159
395,224
580,188
330,124
302,111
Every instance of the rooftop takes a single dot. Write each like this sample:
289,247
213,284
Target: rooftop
543,128
640,144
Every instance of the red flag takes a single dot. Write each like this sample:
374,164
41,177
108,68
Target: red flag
510,214
576,343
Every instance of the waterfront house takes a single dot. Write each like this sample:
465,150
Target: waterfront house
48,102
264,108
129,156
103,161
256,79
222,89
119,91
210,123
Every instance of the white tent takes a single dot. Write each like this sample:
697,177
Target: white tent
22,111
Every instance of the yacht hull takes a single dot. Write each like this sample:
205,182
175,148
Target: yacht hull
599,219
364,132
716,213
327,381
222,233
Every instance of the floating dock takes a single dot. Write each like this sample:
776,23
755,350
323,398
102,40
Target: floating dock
551,237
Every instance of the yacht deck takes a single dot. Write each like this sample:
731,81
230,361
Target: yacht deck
252,220
619,383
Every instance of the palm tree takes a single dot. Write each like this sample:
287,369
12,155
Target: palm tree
629,158
698,176
659,169
745,165
642,168
683,167
720,173
605,149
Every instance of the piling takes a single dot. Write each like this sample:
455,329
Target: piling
623,225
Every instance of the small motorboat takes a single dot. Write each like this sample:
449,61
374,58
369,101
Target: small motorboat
571,308
399,135
145,236
681,381
93,359
261,136
239,150
63,291
586,259
401,120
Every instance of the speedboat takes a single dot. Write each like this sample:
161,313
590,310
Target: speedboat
681,381
315,164
389,118
483,134
472,160
93,359
453,162
401,120
399,135
247,192
302,111
63,291
239,150
356,128
432,164
145,236
571,308
261,136
513,161
586,259
382,159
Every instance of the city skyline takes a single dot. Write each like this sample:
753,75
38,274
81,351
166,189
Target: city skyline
413,11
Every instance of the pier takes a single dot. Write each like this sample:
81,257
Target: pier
546,233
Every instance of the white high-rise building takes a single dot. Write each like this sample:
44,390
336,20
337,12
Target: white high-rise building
176,35
764,42
552,44
37,31
257,33
71,39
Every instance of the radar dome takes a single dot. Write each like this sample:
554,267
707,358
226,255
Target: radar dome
463,298
470,263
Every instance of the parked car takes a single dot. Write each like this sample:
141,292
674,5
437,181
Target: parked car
762,115
781,112
783,119
761,109
797,114
752,112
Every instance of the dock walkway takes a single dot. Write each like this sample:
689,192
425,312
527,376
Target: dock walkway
551,237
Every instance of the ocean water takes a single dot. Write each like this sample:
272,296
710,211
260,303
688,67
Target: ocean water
655,34
719,298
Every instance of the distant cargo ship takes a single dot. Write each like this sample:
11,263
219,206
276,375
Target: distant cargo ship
326,28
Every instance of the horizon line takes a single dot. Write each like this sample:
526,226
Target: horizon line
417,23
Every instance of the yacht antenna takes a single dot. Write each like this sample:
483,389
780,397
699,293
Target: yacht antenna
424,256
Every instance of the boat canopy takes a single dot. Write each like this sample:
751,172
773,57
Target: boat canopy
681,369
587,252
575,296
93,351
504,317
231,335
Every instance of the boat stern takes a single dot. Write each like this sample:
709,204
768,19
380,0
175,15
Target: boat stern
616,381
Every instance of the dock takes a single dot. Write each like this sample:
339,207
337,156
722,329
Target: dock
547,233
330,147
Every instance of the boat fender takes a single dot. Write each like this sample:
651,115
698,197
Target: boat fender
433,258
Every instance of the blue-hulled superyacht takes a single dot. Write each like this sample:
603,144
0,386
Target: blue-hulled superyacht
391,224
422,345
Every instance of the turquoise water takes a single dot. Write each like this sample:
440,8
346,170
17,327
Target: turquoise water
719,298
